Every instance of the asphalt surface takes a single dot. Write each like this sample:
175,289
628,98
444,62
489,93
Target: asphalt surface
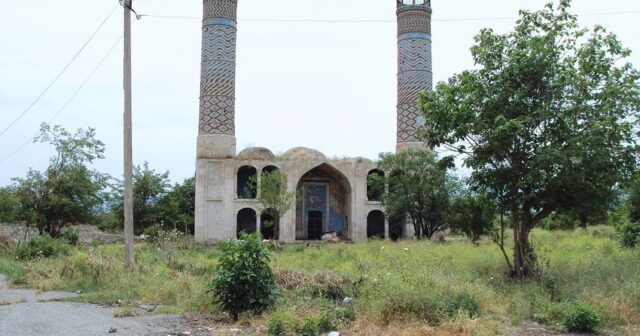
24,312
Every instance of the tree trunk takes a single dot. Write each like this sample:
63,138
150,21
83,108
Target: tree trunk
524,261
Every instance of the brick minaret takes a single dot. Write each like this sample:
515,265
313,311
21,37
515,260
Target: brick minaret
216,132
414,67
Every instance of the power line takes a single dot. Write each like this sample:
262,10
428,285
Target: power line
64,106
379,21
66,67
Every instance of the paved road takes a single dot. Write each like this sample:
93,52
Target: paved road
22,312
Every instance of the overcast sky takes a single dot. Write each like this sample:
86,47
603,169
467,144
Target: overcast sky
329,86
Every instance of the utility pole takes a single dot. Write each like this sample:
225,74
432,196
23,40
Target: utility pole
128,151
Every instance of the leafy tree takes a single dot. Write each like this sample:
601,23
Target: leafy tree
417,189
546,118
274,197
178,205
633,200
149,188
472,215
243,278
9,204
67,191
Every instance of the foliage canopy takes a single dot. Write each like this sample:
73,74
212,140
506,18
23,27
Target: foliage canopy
546,121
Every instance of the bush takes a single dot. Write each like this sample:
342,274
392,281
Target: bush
152,232
71,235
309,327
277,326
42,247
631,234
463,301
243,278
581,318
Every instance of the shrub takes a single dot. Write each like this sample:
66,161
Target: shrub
630,234
152,232
42,247
243,278
332,317
277,327
309,327
71,235
463,301
581,318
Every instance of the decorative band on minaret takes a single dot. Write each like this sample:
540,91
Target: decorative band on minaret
218,72
414,67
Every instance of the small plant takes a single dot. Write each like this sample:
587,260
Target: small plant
631,234
309,327
42,247
277,326
581,318
71,235
243,278
152,231
463,301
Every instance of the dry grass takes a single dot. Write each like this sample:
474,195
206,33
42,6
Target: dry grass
404,288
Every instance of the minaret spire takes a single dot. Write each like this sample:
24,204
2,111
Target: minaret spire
414,68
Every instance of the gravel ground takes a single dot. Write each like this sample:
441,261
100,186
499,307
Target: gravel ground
23,312
28,312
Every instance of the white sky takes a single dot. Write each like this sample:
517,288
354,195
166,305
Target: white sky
329,86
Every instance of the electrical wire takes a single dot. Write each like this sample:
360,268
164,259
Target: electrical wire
64,106
66,67
377,21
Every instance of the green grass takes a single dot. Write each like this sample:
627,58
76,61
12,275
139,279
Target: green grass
454,287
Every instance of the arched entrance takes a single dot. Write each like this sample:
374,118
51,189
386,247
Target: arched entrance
396,227
375,224
323,203
267,226
246,221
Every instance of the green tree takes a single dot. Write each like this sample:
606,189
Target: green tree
416,189
9,204
274,197
472,215
67,191
547,116
178,205
149,188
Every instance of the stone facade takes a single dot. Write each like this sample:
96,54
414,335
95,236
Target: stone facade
333,195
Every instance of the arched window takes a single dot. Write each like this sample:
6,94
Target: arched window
246,221
375,224
246,182
375,185
269,169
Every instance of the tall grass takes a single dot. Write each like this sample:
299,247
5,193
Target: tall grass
455,287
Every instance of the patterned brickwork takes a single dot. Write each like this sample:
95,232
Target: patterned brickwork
414,21
409,121
416,54
218,69
410,83
220,8
414,68
217,115
218,43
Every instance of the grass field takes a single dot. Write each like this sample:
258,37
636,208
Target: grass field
404,288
